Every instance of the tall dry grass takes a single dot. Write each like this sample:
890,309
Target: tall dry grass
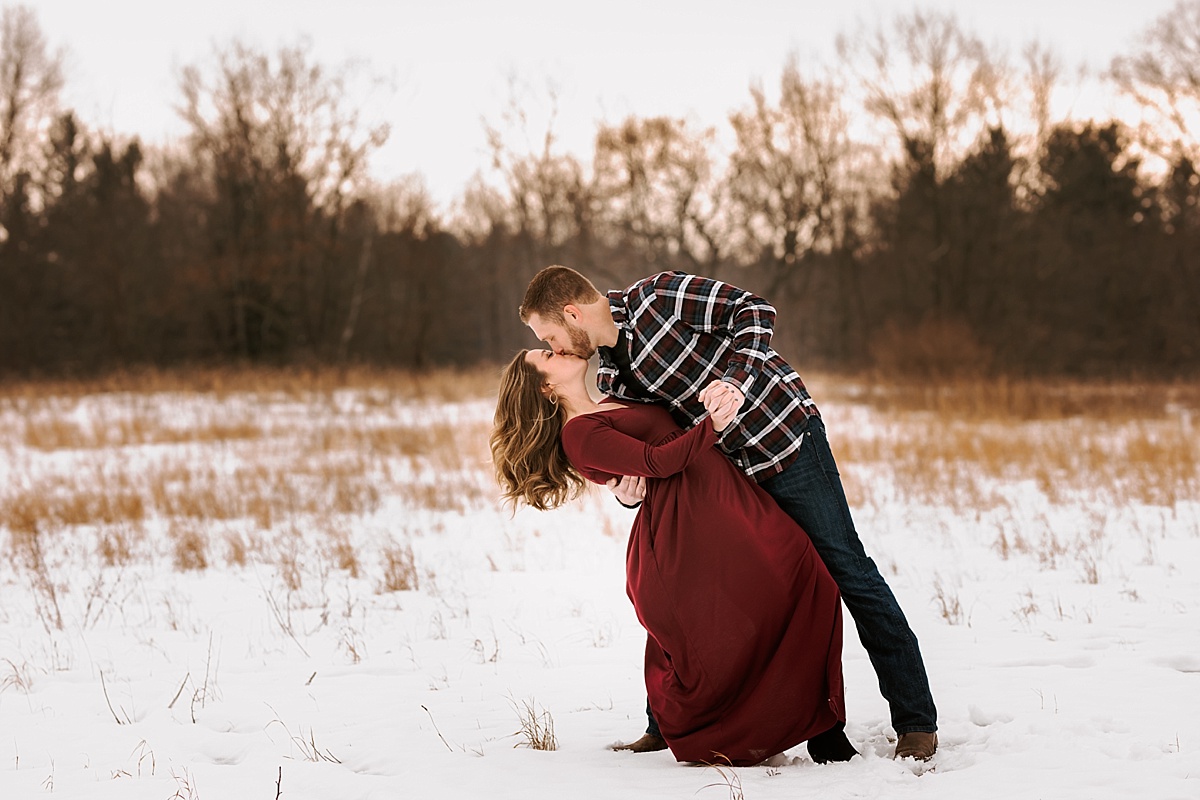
955,443
229,467
56,433
974,399
943,460
438,385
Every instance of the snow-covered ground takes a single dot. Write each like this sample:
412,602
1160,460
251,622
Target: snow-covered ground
1060,626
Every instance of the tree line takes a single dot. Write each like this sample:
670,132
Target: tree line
918,207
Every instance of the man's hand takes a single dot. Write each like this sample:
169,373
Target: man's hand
629,490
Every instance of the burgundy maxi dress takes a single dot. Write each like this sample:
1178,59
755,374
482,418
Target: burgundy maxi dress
743,658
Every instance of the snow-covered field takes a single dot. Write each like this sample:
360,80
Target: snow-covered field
317,596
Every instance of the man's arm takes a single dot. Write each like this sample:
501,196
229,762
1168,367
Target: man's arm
711,306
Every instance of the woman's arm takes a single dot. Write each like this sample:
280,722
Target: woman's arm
593,444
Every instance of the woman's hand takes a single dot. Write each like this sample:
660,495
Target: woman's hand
721,407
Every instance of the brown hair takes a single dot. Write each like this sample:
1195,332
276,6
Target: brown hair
526,441
552,289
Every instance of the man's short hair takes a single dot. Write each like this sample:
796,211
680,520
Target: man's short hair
552,289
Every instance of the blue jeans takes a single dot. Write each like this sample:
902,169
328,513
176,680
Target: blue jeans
810,491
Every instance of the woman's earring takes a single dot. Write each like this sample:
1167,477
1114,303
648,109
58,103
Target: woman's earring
553,397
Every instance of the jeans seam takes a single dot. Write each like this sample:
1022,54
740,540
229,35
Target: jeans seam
843,507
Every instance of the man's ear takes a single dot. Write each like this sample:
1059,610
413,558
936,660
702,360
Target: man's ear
571,310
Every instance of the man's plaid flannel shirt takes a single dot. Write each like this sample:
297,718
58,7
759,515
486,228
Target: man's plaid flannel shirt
683,332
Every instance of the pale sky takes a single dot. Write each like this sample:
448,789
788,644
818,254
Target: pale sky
450,60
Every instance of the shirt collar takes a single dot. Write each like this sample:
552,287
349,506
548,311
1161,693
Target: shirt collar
617,304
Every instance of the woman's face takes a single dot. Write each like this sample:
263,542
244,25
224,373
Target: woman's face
557,369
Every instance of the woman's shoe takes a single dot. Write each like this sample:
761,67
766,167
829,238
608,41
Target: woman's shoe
832,745
649,743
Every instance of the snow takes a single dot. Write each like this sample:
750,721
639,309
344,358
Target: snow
1066,668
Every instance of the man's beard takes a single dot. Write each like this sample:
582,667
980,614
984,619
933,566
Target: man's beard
581,345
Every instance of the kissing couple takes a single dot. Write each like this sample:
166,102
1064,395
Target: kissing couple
743,547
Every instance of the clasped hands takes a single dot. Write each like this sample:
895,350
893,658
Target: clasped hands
721,400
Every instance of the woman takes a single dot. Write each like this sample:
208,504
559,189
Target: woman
743,658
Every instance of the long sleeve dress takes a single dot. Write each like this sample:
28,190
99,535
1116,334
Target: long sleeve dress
743,657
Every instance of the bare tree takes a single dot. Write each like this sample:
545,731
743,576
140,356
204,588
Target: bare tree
935,84
793,170
654,180
485,222
796,201
401,309
543,211
286,158
30,79
550,194
1043,69
1162,75
942,93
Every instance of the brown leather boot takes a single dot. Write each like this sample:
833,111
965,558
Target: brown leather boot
918,744
647,744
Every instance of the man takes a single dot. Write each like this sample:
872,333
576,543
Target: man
680,339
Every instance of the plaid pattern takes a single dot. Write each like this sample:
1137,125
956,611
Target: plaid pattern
683,332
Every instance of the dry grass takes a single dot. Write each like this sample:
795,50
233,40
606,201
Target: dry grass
230,463
399,569
237,549
290,568
537,727
190,547
58,501
28,553
439,385
404,440
455,497
57,433
1011,399
728,778
313,477
116,544
942,459
17,676
339,549
264,493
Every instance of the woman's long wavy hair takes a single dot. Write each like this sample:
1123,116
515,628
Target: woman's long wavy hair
526,441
